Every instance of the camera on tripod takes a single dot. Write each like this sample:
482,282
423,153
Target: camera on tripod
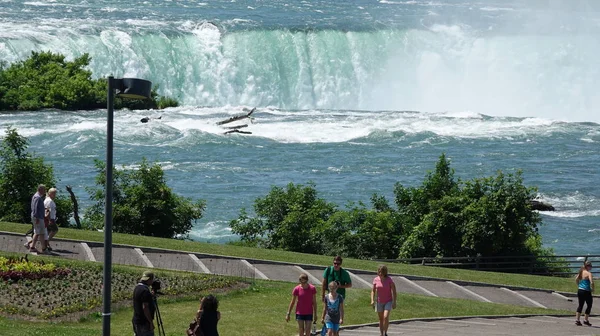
156,287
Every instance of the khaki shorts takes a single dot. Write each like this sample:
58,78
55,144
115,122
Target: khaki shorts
40,227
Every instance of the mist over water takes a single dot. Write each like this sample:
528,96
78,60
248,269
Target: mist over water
354,95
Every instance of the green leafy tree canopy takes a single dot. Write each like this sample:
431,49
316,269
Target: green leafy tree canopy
20,174
142,203
48,80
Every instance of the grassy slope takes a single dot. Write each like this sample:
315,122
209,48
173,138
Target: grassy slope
260,310
560,284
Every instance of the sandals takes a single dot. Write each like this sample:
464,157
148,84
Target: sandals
587,323
577,323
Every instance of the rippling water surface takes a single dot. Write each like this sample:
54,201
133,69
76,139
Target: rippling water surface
497,85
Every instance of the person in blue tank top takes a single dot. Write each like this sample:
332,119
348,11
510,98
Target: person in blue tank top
585,284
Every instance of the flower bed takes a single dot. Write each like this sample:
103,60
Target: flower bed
15,269
79,288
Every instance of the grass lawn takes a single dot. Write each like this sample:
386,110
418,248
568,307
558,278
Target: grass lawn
260,310
551,283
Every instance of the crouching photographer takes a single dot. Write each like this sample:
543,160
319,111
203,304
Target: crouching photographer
144,306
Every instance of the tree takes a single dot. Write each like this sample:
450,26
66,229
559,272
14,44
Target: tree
142,203
499,219
364,233
20,174
48,80
487,216
289,219
295,219
442,217
413,203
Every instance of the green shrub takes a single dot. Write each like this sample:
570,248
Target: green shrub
488,216
290,219
142,203
444,217
20,174
48,80
164,102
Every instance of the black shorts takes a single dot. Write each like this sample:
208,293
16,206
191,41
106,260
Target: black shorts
308,317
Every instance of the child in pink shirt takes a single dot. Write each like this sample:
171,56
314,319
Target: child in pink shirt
306,309
385,291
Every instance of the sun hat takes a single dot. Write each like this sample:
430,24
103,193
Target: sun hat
147,275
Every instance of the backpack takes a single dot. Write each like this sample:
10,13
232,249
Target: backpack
328,272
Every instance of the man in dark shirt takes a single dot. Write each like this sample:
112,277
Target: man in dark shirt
143,306
37,219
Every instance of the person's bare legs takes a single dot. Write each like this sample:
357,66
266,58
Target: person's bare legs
300,328
307,328
381,323
50,235
386,321
33,242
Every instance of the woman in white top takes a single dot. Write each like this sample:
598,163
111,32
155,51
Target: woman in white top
50,217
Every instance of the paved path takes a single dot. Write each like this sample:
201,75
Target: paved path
264,269
534,325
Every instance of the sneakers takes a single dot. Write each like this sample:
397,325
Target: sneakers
587,323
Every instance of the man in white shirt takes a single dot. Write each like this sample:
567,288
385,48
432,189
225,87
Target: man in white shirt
50,213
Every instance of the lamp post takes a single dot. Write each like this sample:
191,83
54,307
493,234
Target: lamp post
131,88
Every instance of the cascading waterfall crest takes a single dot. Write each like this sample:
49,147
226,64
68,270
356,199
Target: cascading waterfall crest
442,68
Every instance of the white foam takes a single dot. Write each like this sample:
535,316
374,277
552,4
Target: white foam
212,230
49,3
572,205
572,214
389,2
463,115
496,9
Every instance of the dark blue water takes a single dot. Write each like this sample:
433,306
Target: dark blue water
503,85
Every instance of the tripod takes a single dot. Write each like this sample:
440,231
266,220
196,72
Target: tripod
159,322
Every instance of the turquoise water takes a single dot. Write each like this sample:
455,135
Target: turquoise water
353,95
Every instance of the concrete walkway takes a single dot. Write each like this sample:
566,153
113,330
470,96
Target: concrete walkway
533,325
264,269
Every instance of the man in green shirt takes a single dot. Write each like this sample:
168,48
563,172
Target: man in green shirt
338,274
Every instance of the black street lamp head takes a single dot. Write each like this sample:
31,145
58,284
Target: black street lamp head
133,88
